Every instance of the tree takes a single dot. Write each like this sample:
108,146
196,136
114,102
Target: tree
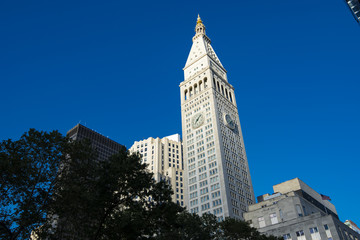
194,227
28,175
113,199
233,229
55,188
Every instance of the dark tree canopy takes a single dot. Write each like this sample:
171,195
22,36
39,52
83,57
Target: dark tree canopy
28,174
54,188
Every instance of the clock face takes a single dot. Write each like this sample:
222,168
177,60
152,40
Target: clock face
229,122
197,120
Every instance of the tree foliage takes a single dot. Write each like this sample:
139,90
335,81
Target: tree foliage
57,189
28,175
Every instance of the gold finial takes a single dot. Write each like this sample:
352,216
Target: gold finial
198,19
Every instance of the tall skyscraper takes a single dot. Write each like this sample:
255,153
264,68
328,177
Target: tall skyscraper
165,160
216,167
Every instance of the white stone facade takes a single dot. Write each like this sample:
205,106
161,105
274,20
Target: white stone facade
164,159
216,167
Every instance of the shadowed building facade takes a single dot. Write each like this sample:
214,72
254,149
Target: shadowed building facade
104,146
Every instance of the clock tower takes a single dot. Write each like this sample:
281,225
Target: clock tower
216,168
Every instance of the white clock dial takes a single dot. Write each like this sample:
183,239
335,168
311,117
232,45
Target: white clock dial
197,120
229,122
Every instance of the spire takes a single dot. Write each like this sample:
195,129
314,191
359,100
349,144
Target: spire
200,27
198,19
201,47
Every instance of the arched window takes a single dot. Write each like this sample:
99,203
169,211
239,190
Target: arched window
205,82
200,85
190,92
195,89
186,94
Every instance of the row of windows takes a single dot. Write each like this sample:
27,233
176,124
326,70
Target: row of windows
195,89
314,233
194,103
220,88
205,206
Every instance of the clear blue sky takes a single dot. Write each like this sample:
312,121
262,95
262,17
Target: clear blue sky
111,65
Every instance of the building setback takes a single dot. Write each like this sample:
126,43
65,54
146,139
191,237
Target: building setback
164,159
216,167
296,211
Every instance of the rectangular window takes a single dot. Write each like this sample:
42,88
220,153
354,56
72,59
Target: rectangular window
261,222
217,210
327,231
287,236
215,186
215,194
192,180
193,195
203,183
202,176
205,206
216,202
194,210
204,191
193,202
273,218
298,210
314,232
300,235
193,187
204,198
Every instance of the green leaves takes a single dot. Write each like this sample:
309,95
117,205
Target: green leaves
55,188
28,171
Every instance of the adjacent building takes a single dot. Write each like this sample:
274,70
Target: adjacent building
354,6
217,176
296,211
352,225
104,146
165,160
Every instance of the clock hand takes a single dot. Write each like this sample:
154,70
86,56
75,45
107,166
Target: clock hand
198,118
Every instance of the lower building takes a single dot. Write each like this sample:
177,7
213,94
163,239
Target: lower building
296,211
104,146
352,225
165,160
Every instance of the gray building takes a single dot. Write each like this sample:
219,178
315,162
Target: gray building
296,211
354,6
352,225
104,146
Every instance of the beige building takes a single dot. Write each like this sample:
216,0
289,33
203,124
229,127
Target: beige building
217,173
296,211
165,161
